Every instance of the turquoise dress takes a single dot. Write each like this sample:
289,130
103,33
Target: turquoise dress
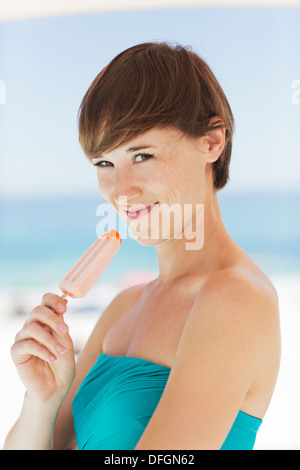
119,395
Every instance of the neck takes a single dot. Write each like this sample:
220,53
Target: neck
176,261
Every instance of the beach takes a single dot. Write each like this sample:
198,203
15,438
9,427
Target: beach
279,429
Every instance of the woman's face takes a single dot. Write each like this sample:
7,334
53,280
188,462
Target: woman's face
151,179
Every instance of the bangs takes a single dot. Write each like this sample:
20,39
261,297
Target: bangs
138,91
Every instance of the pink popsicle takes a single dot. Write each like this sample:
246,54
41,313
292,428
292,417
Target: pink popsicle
91,265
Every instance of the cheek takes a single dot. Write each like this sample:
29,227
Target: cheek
174,184
167,177
192,184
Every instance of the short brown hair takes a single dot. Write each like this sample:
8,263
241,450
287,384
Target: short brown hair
154,85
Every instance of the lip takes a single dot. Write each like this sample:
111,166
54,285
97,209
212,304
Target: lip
137,214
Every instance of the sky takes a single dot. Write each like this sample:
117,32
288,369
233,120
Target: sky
46,66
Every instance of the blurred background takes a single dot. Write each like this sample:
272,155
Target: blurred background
49,54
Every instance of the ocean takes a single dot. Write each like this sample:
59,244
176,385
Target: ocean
41,238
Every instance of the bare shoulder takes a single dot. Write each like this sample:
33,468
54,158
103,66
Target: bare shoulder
125,300
232,333
241,302
241,288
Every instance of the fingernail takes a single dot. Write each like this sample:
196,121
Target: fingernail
52,358
63,328
61,307
60,349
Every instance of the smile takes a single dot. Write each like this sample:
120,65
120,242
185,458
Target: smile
140,213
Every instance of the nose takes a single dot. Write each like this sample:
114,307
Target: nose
126,187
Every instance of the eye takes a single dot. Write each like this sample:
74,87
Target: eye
103,163
144,156
139,158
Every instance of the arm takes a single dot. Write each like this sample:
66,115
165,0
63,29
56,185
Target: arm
226,335
46,418
34,428
44,358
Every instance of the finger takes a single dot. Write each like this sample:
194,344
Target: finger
24,350
55,302
40,334
46,316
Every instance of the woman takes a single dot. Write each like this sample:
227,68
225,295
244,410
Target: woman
189,360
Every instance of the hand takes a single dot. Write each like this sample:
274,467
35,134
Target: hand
43,352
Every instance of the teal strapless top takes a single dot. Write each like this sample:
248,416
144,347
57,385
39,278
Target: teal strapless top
119,395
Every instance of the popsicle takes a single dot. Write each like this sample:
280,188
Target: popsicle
91,265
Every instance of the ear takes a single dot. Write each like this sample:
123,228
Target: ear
214,141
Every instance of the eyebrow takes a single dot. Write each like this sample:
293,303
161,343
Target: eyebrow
134,149
131,149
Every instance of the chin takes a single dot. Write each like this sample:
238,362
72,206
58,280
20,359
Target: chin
155,238
147,242
143,237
